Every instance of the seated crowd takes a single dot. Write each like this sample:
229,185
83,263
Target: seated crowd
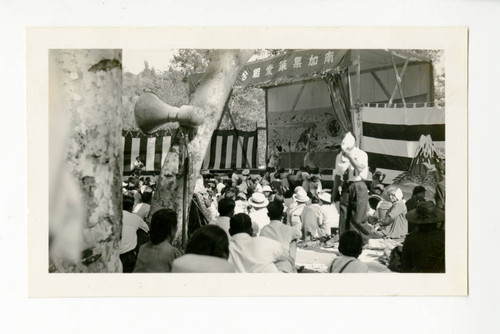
256,223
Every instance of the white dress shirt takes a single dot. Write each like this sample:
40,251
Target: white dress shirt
131,223
255,254
260,218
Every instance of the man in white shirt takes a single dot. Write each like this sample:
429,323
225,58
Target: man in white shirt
226,211
329,214
351,168
128,242
258,215
252,254
286,235
294,217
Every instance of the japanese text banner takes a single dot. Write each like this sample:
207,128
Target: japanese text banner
292,66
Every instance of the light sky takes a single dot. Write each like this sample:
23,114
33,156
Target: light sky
133,60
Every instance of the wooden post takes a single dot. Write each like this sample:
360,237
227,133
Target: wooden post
398,78
401,75
267,126
358,74
185,176
355,109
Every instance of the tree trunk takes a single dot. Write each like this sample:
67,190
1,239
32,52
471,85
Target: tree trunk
89,89
210,97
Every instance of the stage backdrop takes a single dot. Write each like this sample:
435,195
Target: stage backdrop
226,150
391,135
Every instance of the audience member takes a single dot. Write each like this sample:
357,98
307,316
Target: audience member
252,254
310,218
206,252
285,235
266,190
258,214
424,249
226,211
157,255
142,209
418,196
130,224
294,214
329,213
350,246
394,224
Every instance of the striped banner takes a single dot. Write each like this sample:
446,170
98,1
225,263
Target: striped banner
225,151
228,148
391,135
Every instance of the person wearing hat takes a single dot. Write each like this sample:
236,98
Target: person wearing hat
418,196
351,170
424,249
243,182
378,189
394,224
266,190
294,218
258,213
329,214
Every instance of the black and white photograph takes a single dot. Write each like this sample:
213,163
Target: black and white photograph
248,161
186,164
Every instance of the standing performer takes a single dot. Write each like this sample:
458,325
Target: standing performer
351,170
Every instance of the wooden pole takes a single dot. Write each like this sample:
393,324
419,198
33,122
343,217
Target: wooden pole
185,176
401,75
355,109
398,79
358,74
267,126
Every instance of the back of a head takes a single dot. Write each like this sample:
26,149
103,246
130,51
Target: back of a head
128,203
226,206
163,225
209,240
240,223
275,210
314,198
288,194
146,197
418,190
351,243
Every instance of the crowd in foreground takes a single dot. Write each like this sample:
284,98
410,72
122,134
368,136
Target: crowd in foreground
257,222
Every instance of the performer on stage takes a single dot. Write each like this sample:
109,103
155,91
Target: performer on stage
351,170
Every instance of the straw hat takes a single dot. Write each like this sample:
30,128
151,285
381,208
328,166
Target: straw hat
325,197
266,188
258,200
245,172
298,189
426,213
301,197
